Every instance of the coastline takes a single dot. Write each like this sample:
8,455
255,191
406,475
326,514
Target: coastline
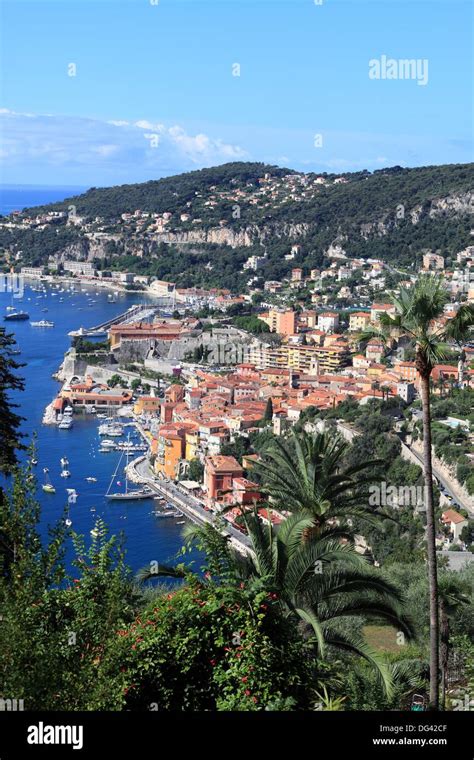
94,281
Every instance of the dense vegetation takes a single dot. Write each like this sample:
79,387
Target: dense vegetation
370,214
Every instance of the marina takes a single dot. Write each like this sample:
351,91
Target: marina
90,470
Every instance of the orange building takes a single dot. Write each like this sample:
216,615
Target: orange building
407,371
281,322
219,472
170,449
147,404
144,331
174,393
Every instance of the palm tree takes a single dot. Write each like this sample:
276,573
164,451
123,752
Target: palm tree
419,318
322,585
306,473
453,593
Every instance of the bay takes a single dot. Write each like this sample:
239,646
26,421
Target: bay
147,538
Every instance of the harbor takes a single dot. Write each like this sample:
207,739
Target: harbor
145,537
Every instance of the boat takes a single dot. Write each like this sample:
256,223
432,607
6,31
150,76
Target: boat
68,522
91,480
127,495
34,461
44,310
42,323
64,462
65,424
106,444
115,430
47,485
167,513
16,316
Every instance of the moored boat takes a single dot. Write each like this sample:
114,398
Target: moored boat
16,316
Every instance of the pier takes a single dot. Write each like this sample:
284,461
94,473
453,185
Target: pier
133,314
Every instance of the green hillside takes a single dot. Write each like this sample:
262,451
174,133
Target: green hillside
394,214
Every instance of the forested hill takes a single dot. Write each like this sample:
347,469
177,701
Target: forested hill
201,227
168,194
356,196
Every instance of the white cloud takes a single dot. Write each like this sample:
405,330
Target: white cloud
102,152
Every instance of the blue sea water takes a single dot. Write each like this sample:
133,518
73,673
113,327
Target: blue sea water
18,197
147,538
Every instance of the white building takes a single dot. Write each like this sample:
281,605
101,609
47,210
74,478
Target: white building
328,321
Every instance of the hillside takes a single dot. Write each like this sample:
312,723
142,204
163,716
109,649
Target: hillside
200,227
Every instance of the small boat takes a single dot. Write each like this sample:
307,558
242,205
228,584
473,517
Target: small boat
180,522
64,462
68,522
42,323
44,310
90,479
47,485
34,462
115,429
65,424
16,316
65,474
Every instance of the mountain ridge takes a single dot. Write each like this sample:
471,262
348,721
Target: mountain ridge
200,227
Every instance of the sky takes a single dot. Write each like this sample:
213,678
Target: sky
104,92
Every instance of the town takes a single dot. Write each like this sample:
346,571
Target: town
225,370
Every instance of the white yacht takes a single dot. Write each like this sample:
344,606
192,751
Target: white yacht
114,429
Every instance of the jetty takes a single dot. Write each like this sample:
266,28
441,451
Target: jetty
133,314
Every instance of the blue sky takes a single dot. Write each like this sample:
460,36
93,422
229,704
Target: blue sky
154,91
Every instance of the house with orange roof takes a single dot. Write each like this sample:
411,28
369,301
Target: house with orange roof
377,309
374,350
454,522
219,472
170,450
407,371
359,321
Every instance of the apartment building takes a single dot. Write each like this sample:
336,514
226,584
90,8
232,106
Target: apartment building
358,321
85,268
281,322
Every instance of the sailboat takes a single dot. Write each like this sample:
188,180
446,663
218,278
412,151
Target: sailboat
64,471
127,495
47,485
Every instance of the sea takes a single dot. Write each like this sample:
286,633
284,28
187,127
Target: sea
18,197
146,537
